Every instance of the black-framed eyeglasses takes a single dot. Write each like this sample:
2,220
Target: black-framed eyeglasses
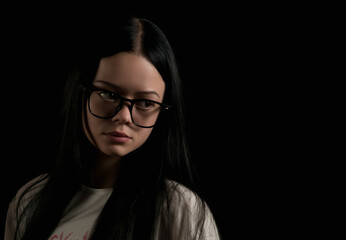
106,104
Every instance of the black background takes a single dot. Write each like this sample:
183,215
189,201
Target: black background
229,61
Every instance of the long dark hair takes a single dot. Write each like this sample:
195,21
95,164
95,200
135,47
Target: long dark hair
140,191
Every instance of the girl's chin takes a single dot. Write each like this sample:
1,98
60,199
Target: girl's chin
116,153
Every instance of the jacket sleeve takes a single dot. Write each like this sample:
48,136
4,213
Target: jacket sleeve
188,217
11,223
12,218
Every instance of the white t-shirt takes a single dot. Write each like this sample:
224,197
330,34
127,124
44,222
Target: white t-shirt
81,213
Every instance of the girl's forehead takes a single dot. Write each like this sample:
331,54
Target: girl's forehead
130,72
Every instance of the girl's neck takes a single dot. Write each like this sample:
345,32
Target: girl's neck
103,172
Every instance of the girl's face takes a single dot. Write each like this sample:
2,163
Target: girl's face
131,76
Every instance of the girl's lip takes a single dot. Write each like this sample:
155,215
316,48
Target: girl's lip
118,137
117,134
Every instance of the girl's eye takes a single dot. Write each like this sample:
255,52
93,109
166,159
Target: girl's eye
145,104
107,95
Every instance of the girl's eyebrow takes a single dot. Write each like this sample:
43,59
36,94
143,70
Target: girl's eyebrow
117,87
148,92
108,84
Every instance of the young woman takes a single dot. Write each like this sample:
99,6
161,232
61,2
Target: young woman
123,168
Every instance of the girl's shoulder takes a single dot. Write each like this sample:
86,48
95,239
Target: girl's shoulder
30,188
180,192
183,199
19,202
186,209
35,184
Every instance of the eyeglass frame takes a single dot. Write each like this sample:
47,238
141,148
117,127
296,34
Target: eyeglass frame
121,103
